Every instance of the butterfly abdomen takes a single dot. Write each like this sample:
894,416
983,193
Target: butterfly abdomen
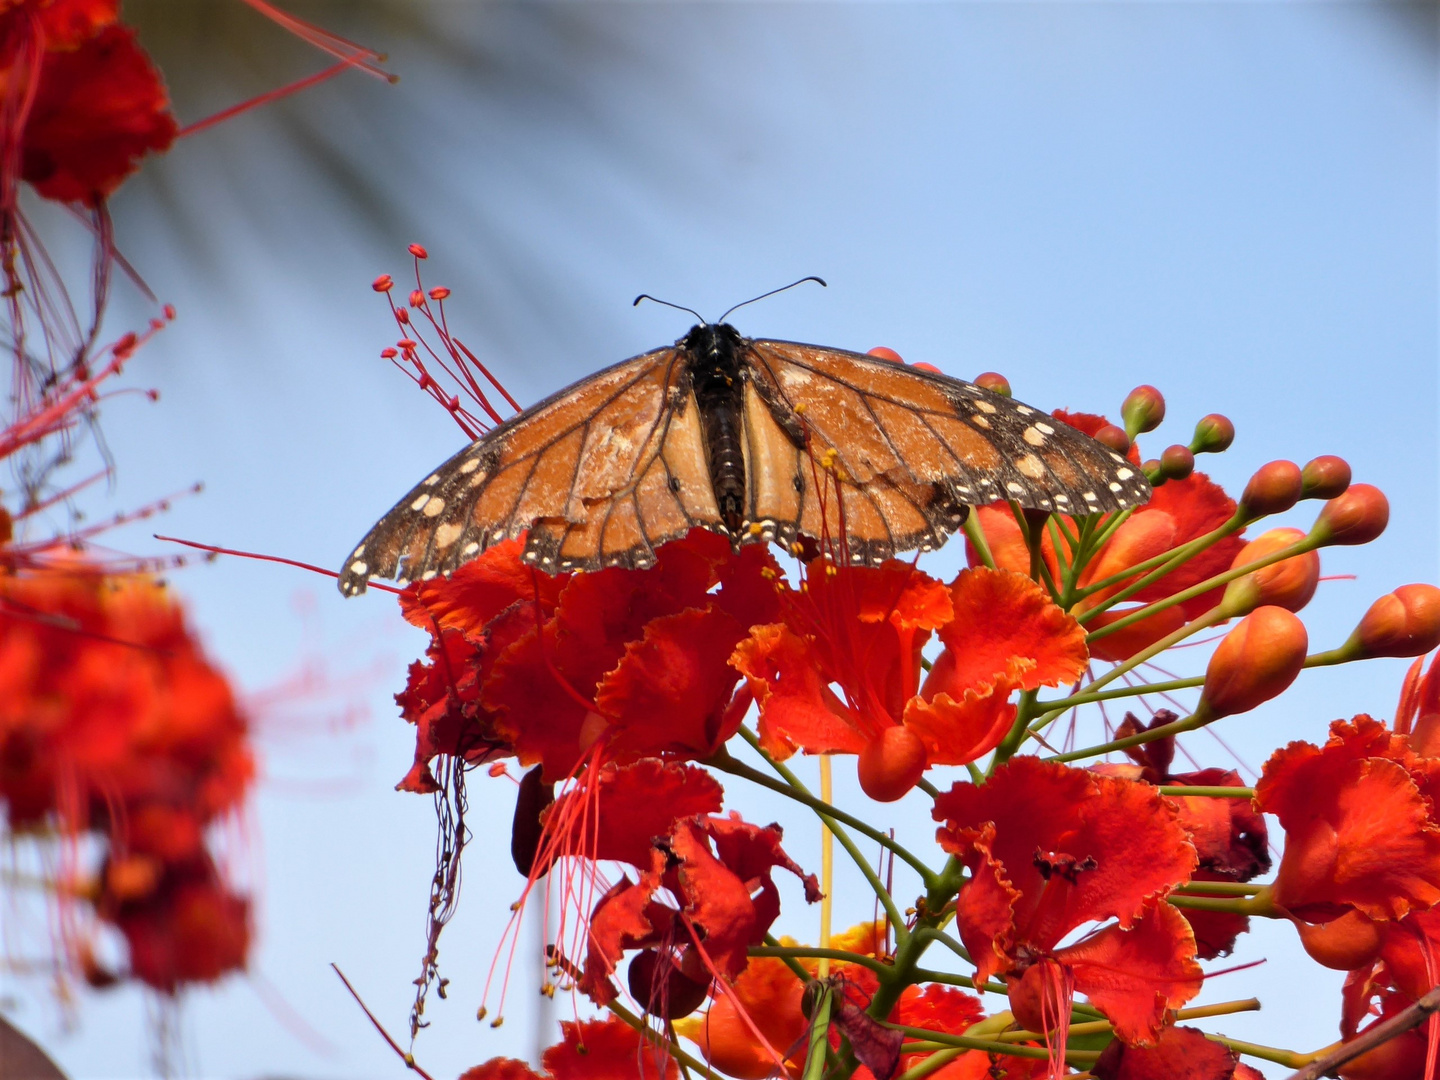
714,359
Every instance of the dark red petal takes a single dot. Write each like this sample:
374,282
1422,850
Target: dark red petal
797,708
98,109
606,1050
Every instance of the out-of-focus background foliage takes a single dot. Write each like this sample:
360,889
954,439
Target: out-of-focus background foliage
1234,201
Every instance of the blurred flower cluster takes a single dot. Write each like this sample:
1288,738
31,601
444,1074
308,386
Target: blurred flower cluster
1085,882
125,760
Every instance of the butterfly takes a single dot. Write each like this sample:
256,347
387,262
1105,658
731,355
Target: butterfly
757,440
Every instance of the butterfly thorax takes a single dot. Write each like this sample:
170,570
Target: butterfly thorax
712,354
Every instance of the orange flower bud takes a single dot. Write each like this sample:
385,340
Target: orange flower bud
383,283
1273,489
1256,661
1177,462
419,252
1405,622
882,353
1325,477
1114,437
1355,517
1347,943
995,382
1213,434
1289,583
417,298
892,764
1143,409
440,292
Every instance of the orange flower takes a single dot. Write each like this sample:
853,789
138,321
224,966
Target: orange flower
113,721
1360,828
862,629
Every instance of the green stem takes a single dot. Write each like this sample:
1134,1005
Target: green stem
1258,905
819,1036
792,788
993,1046
1201,792
1164,731
976,536
1219,888
1157,567
804,952
1085,697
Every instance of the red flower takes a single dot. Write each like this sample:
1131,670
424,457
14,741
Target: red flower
1052,849
590,1050
630,663
1179,1054
1360,828
863,628
1229,835
717,874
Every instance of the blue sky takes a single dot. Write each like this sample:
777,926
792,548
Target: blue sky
1233,201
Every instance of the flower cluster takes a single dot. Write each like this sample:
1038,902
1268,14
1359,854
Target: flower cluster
1086,887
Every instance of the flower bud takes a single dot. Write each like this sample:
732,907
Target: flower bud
1405,622
1114,437
1177,462
1355,517
1325,477
1141,538
417,298
419,252
1273,489
1255,662
531,802
663,987
440,292
921,365
1143,410
1289,583
1153,472
892,764
882,353
383,283
994,382
1344,944
1213,434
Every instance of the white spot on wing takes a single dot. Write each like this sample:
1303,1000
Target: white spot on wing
435,507
420,501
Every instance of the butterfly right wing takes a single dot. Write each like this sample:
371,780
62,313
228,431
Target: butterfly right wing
599,474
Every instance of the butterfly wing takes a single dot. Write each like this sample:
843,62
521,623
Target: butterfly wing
899,452
598,473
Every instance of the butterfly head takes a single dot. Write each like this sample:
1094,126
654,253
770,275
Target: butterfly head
711,341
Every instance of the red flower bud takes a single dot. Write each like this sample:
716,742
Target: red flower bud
882,353
383,283
416,298
1143,410
993,381
663,987
1153,472
1273,489
891,764
419,252
1349,942
401,315
1177,462
169,312
1355,517
1325,477
1114,437
1256,661
1213,434
921,365
389,354
1405,622
1289,583
439,292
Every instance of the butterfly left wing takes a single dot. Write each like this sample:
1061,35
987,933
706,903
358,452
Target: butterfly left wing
899,452
598,474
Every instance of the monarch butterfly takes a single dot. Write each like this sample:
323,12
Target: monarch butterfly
752,439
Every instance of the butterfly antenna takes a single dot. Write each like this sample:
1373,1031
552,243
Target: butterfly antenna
772,292
667,303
